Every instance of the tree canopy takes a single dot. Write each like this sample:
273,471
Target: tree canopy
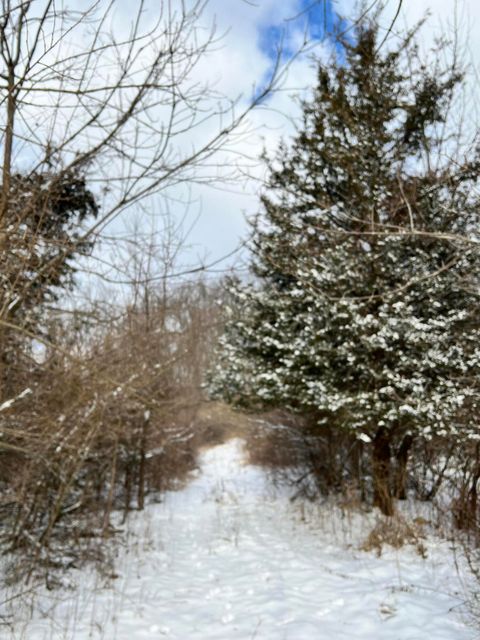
364,308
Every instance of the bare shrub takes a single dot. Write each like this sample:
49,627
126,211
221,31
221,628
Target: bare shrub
274,442
316,461
446,472
101,425
321,461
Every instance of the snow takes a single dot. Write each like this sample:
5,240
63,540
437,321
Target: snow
364,437
9,403
230,557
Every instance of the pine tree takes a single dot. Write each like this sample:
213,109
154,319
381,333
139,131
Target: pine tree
45,216
364,310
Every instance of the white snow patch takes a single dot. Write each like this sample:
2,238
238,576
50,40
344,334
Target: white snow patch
8,403
364,437
229,558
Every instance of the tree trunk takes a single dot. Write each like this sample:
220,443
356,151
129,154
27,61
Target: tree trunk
401,468
356,457
472,504
127,489
111,492
8,146
382,497
142,465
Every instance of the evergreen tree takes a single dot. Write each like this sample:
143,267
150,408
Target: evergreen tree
364,311
44,213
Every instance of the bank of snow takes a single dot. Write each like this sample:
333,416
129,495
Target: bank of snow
229,558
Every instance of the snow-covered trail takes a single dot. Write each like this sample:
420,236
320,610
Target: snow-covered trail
227,558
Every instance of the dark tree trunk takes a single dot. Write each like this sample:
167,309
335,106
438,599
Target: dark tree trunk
356,460
401,468
473,500
472,505
142,466
382,496
127,489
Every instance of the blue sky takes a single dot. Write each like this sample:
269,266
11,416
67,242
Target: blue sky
269,25
315,18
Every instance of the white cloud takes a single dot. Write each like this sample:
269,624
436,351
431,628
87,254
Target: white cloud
241,49
235,66
238,64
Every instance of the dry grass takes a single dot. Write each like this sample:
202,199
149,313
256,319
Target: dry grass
217,422
396,532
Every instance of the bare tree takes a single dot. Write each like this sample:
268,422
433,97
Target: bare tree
103,98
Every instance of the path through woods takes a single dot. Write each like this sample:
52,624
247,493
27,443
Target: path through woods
229,557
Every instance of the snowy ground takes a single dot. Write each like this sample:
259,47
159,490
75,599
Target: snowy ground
229,558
